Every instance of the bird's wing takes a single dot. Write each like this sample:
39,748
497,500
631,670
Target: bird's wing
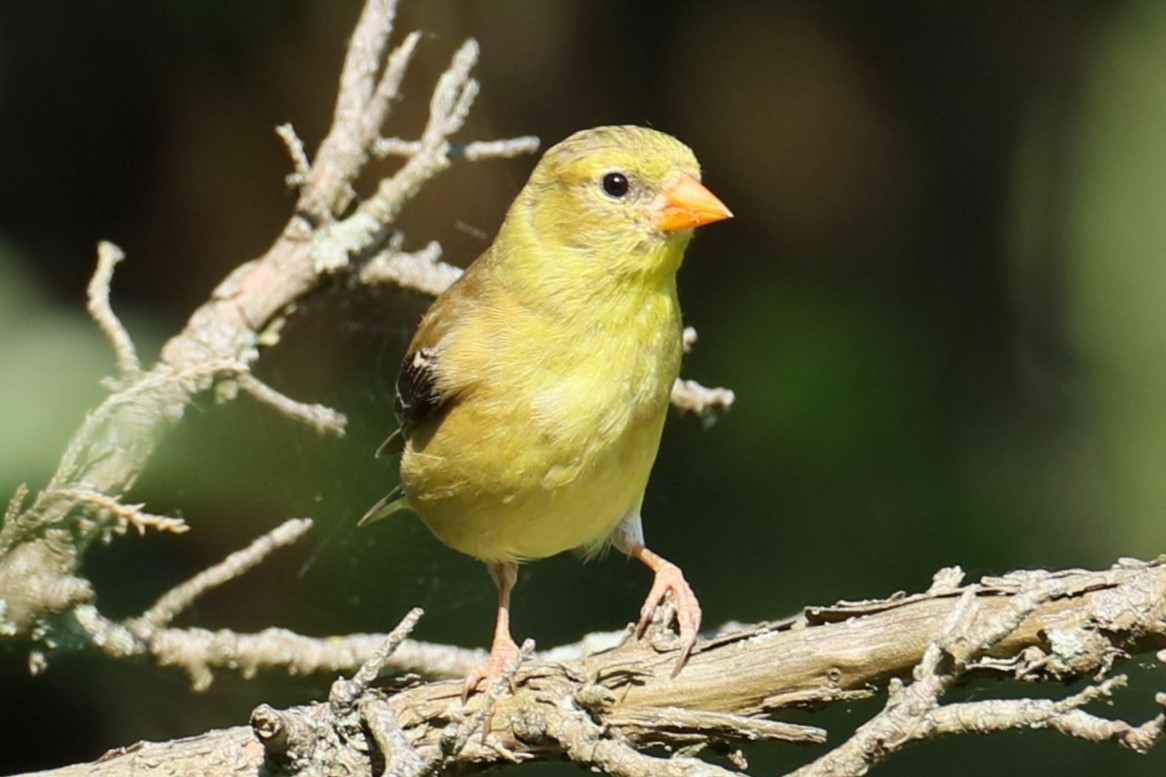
418,396
426,388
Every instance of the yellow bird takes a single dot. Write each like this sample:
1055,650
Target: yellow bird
533,394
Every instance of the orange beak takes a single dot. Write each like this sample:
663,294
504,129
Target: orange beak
688,204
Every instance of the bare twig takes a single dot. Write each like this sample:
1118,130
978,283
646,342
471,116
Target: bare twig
968,632
355,104
389,87
471,152
126,515
454,741
595,642
421,271
14,503
199,652
946,580
448,108
109,450
323,419
344,150
179,598
1064,716
701,401
497,149
9,527
688,396
345,692
301,167
108,255
1092,728
335,244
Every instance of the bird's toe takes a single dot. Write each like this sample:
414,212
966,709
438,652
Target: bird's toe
503,654
669,579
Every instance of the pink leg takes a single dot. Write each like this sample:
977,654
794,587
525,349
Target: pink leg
502,650
669,578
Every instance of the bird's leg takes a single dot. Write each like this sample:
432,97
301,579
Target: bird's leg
502,649
669,578
629,537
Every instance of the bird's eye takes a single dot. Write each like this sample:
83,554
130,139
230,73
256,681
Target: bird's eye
615,184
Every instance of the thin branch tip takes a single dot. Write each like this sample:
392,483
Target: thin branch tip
389,87
108,256
707,404
182,596
345,693
301,167
125,516
321,418
474,151
420,271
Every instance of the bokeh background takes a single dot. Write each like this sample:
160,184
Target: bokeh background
942,305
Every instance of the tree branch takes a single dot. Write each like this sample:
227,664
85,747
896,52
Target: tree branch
179,598
42,544
606,709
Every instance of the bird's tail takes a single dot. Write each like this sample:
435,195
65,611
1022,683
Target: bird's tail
393,502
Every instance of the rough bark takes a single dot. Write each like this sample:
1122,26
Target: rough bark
621,711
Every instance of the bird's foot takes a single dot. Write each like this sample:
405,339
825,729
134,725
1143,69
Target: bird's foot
503,654
669,579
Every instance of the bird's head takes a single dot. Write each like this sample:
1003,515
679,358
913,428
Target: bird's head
617,201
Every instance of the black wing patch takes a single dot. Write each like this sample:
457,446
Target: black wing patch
417,398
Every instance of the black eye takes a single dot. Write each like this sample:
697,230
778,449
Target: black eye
615,184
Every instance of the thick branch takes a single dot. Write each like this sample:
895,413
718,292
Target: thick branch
603,710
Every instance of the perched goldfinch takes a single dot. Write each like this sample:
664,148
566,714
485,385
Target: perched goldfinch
533,395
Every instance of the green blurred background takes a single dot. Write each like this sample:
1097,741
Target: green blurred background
942,305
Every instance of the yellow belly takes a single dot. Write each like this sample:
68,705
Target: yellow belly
527,466
521,494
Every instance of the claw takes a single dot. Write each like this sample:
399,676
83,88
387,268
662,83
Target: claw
502,655
669,579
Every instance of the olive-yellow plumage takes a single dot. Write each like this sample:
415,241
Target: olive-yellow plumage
534,392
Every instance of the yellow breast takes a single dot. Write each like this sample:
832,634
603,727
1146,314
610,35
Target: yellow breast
555,441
